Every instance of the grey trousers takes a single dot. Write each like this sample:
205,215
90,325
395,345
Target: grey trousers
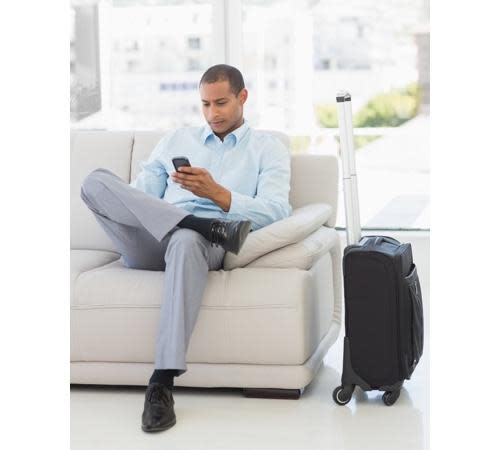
144,231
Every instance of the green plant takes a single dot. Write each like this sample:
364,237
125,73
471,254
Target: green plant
327,116
388,110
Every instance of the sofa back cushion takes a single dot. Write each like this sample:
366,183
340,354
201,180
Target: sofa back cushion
90,150
314,177
315,180
144,143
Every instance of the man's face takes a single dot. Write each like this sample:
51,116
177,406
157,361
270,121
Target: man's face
223,110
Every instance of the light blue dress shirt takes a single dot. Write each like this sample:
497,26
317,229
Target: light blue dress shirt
252,164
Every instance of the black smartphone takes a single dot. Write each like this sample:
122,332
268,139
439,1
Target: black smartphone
180,161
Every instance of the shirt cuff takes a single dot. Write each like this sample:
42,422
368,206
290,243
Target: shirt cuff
237,207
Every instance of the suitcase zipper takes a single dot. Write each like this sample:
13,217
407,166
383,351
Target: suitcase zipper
403,365
399,253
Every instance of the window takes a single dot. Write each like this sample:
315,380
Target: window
144,57
85,75
378,51
136,64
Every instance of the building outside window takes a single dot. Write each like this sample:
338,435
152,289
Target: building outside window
194,43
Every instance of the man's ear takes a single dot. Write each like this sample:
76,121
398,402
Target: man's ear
243,95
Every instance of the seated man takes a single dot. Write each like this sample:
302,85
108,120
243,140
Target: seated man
184,222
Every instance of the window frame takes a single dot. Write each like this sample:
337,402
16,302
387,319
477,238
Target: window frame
228,32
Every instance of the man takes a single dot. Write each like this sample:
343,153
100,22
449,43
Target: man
184,222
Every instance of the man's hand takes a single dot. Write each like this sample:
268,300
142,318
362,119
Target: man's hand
200,183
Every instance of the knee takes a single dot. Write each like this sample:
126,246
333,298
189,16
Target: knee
186,241
93,184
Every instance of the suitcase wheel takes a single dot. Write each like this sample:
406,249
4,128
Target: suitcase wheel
390,397
342,395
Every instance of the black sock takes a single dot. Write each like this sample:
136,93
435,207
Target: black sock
164,376
200,224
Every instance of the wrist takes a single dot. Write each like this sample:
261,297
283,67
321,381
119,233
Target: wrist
222,198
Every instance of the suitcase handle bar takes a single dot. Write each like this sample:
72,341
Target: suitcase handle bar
350,183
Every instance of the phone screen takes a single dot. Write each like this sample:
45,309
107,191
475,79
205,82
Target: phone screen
180,161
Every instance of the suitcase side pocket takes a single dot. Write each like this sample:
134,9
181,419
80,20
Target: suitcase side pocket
417,317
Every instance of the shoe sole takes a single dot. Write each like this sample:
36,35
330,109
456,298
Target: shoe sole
165,427
242,235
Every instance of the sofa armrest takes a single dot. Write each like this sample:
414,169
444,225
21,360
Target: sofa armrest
302,254
298,226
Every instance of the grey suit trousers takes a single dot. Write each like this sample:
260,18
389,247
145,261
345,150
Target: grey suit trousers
144,231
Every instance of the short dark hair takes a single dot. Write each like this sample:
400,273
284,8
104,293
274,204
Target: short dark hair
223,72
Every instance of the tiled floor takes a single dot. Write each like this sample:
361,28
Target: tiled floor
109,418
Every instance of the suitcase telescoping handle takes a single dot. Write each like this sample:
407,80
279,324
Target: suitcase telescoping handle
350,182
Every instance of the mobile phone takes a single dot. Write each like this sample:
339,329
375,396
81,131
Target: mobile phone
180,161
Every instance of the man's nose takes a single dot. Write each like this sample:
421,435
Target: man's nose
213,113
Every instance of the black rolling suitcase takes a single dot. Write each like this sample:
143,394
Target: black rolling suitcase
383,302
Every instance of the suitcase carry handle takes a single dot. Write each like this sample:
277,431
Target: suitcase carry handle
381,239
378,240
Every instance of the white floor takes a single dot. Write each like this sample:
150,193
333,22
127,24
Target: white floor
110,417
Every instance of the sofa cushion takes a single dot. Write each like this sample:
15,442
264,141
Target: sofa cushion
83,260
116,311
290,230
315,180
301,255
144,143
91,150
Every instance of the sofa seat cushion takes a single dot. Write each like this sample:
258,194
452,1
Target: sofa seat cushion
83,260
301,255
116,313
300,224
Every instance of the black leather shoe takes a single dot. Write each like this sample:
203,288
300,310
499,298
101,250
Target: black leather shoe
158,412
229,235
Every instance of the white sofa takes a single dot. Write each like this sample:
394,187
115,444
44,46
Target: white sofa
264,325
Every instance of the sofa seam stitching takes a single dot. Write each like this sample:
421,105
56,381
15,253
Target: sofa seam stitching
131,158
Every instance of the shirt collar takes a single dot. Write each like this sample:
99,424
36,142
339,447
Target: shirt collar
237,134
